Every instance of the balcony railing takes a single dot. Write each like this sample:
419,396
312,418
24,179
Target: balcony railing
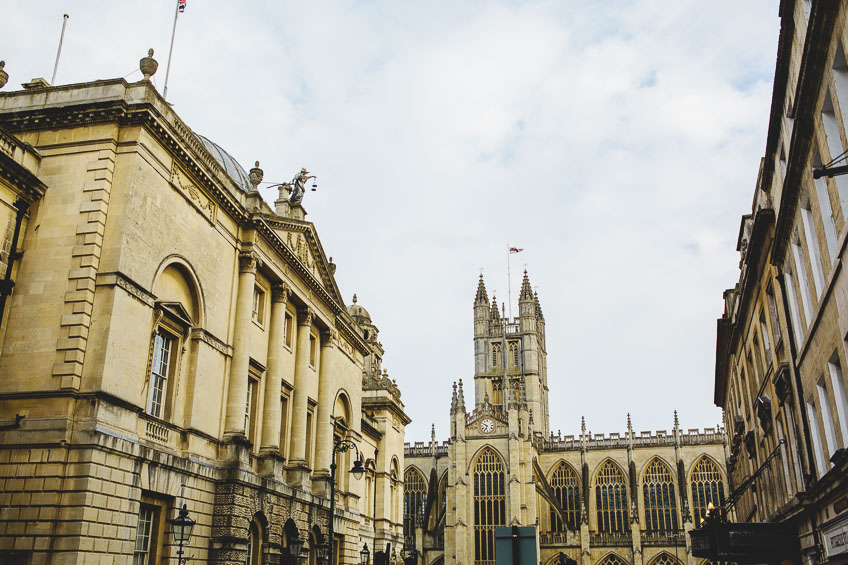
611,539
553,538
661,538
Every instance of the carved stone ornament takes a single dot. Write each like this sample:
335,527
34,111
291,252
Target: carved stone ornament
248,262
280,293
305,316
148,65
4,76
256,175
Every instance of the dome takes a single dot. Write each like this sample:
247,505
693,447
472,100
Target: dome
228,163
358,313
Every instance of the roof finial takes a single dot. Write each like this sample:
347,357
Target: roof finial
256,175
4,76
676,422
148,65
583,424
354,298
629,426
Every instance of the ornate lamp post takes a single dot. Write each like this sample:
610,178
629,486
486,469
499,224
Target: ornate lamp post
294,545
182,526
341,446
363,555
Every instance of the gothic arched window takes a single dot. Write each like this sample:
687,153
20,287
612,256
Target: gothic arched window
567,491
611,498
707,487
613,559
665,559
489,504
414,499
513,354
660,502
496,354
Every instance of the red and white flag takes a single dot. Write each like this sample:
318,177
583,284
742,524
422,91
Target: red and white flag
181,4
516,249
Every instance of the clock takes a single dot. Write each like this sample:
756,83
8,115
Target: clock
487,426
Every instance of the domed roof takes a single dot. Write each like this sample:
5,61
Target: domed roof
227,162
358,313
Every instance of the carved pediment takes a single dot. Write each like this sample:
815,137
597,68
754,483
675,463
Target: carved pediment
194,194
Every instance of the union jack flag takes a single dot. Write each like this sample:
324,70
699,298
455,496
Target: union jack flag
181,5
515,250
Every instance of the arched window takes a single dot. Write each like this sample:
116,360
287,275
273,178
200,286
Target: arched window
513,354
567,491
611,498
254,544
665,559
660,502
613,559
496,354
489,504
414,500
707,487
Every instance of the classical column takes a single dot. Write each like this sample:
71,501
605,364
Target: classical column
297,447
327,387
273,380
237,390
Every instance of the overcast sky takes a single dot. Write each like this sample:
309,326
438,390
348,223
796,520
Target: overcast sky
617,143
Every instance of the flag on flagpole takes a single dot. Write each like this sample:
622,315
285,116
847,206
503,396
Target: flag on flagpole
181,4
516,249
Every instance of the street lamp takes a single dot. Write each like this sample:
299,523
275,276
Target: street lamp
322,551
182,526
294,544
341,446
363,555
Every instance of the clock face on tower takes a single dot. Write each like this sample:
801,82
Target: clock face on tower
487,426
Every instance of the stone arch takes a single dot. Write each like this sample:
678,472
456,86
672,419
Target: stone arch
659,495
473,459
342,409
440,560
600,465
712,460
176,280
665,558
671,467
415,469
612,558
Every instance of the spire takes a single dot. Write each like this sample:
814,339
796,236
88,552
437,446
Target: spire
538,306
453,399
433,433
495,314
526,292
482,296
676,422
460,398
629,435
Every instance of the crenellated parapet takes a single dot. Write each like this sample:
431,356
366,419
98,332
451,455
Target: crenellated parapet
659,438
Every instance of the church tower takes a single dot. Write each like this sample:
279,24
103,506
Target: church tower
510,359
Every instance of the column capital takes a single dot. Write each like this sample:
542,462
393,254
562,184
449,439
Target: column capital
329,338
249,261
304,316
280,293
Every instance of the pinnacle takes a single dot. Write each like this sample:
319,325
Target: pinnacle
526,290
495,314
482,297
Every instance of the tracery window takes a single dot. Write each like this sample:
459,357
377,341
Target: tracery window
660,502
707,487
567,491
489,504
665,559
414,499
496,354
513,354
613,559
611,498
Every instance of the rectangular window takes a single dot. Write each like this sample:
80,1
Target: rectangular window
828,220
834,144
813,416
312,350
793,306
827,416
258,314
789,414
309,438
284,425
812,246
159,371
766,341
289,329
837,382
250,408
772,306
840,80
143,552
803,283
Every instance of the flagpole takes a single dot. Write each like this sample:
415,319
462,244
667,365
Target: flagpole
59,51
171,50
509,280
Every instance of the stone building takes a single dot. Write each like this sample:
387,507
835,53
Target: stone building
169,339
599,499
781,355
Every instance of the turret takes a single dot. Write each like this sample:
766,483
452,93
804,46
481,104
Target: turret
481,310
526,306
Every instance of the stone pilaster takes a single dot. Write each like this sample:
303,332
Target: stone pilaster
271,422
327,387
237,389
79,298
297,468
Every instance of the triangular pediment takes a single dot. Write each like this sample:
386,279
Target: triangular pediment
301,239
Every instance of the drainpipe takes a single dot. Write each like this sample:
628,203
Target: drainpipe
7,284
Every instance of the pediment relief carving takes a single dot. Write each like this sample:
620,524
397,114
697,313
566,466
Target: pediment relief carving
181,181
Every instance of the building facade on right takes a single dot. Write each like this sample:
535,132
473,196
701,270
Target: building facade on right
781,352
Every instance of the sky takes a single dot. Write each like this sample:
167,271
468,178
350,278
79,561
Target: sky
617,143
